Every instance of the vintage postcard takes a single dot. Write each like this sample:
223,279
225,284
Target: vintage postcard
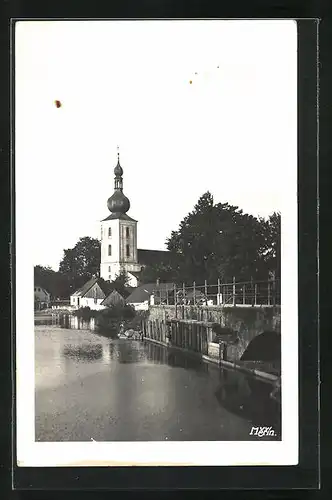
156,242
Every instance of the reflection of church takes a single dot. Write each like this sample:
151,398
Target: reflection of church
119,239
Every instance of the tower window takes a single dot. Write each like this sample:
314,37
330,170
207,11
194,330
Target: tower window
109,249
127,250
110,232
127,232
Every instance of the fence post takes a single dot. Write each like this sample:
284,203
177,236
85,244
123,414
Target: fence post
244,294
205,292
218,293
273,290
268,293
234,292
175,302
194,292
255,298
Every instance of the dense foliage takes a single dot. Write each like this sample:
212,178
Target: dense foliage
220,241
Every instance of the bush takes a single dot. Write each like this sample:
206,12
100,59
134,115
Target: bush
85,313
136,322
108,320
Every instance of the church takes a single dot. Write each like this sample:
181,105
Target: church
119,250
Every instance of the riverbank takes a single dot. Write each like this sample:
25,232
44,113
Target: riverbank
244,366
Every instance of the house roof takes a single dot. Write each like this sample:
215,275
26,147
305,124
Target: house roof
42,288
104,285
120,216
143,292
112,297
150,257
136,274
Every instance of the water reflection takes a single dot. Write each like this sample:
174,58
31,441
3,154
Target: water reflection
86,353
249,397
130,380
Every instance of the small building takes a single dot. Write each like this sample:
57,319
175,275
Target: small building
143,295
42,297
96,294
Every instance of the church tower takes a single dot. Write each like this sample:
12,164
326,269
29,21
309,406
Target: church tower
119,235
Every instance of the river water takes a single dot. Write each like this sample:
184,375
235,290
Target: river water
92,387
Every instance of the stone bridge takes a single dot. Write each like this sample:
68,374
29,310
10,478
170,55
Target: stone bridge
246,332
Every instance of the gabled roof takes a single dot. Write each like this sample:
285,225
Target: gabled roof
105,286
143,292
113,297
136,274
42,288
150,257
119,216
86,287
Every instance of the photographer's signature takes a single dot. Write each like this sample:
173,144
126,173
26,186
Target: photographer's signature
262,431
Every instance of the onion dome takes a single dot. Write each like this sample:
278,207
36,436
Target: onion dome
118,203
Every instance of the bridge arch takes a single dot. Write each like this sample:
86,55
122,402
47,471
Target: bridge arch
265,347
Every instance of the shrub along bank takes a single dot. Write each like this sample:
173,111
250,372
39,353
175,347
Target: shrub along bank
111,320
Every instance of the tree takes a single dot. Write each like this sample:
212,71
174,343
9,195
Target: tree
271,254
54,282
121,283
220,241
81,263
165,273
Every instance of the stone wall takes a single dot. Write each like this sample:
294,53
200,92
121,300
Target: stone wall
245,322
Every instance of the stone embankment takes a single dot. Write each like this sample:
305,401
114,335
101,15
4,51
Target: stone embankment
218,334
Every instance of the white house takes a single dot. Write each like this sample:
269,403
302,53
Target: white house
91,294
42,297
96,294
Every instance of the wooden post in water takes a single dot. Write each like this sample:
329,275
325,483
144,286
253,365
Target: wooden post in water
234,292
194,292
255,297
220,346
205,292
244,294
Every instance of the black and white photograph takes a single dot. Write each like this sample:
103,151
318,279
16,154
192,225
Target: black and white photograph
156,242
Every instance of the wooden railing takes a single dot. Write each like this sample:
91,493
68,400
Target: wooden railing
245,293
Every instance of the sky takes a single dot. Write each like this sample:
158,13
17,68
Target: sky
192,105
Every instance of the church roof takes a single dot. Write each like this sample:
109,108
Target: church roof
143,292
120,216
151,257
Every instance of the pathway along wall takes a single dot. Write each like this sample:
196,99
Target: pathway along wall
194,327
